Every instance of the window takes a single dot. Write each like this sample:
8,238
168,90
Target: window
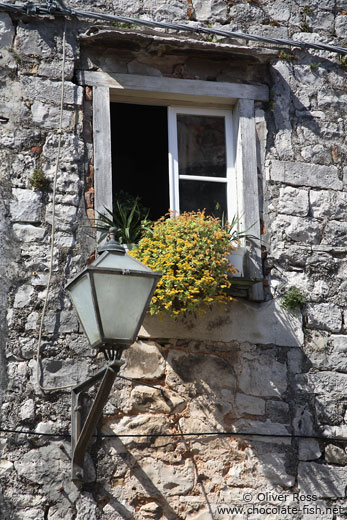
174,158
228,117
201,160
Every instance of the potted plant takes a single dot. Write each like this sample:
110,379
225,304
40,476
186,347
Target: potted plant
129,218
191,250
237,237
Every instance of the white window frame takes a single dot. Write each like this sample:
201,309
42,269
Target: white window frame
240,98
174,175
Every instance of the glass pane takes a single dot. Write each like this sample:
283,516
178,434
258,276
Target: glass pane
121,299
210,196
81,296
201,145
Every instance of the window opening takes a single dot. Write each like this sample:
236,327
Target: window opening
140,154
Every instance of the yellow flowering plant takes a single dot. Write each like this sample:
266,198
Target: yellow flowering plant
191,250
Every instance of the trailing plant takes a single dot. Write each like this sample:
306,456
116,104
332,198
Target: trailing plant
38,180
129,218
191,250
293,299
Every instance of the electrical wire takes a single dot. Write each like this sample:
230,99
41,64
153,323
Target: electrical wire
189,434
51,255
38,9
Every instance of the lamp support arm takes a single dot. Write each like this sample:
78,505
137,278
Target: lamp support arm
81,434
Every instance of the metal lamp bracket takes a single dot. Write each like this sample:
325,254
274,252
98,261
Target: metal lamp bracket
81,434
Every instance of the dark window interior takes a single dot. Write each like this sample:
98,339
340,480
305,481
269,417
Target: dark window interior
140,154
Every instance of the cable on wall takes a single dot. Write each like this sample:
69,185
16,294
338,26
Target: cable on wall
188,434
38,9
51,255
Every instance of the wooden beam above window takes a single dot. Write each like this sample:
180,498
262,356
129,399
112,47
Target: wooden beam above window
179,89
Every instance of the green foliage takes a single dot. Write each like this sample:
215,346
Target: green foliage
343,62
129,218
293,299
308,10
191,250
124,25
232,228
314,66
286,56
270,105
16,56
305,27
272,22
39,181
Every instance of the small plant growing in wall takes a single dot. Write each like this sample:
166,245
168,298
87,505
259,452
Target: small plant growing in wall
343,62
39,181
305,27
286,56
293,299
191,250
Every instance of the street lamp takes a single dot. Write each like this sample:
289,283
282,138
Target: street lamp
111,297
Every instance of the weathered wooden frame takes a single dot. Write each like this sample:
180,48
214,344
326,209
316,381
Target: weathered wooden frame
171,91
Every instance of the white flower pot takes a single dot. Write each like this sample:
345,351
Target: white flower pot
237,259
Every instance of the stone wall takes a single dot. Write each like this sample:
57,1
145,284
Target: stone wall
255,369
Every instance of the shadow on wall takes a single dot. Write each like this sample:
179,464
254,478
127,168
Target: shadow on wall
206,387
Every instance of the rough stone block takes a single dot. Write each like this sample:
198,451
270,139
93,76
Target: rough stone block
324,384
6,31
34,42
53,69
299,229
201,373
48,116
341,26
277,411
321,480
272,466
47,90
147,399
58,372
65,216
293,201
32,321
309,449
262,377
279,11
250,405
328,204
28,233
144,424
63,322
325,316
303,174
25,206
23,296
143,361
335,233
171,480
335,455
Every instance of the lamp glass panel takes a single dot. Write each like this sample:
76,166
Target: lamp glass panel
122,262
81,296
121,299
